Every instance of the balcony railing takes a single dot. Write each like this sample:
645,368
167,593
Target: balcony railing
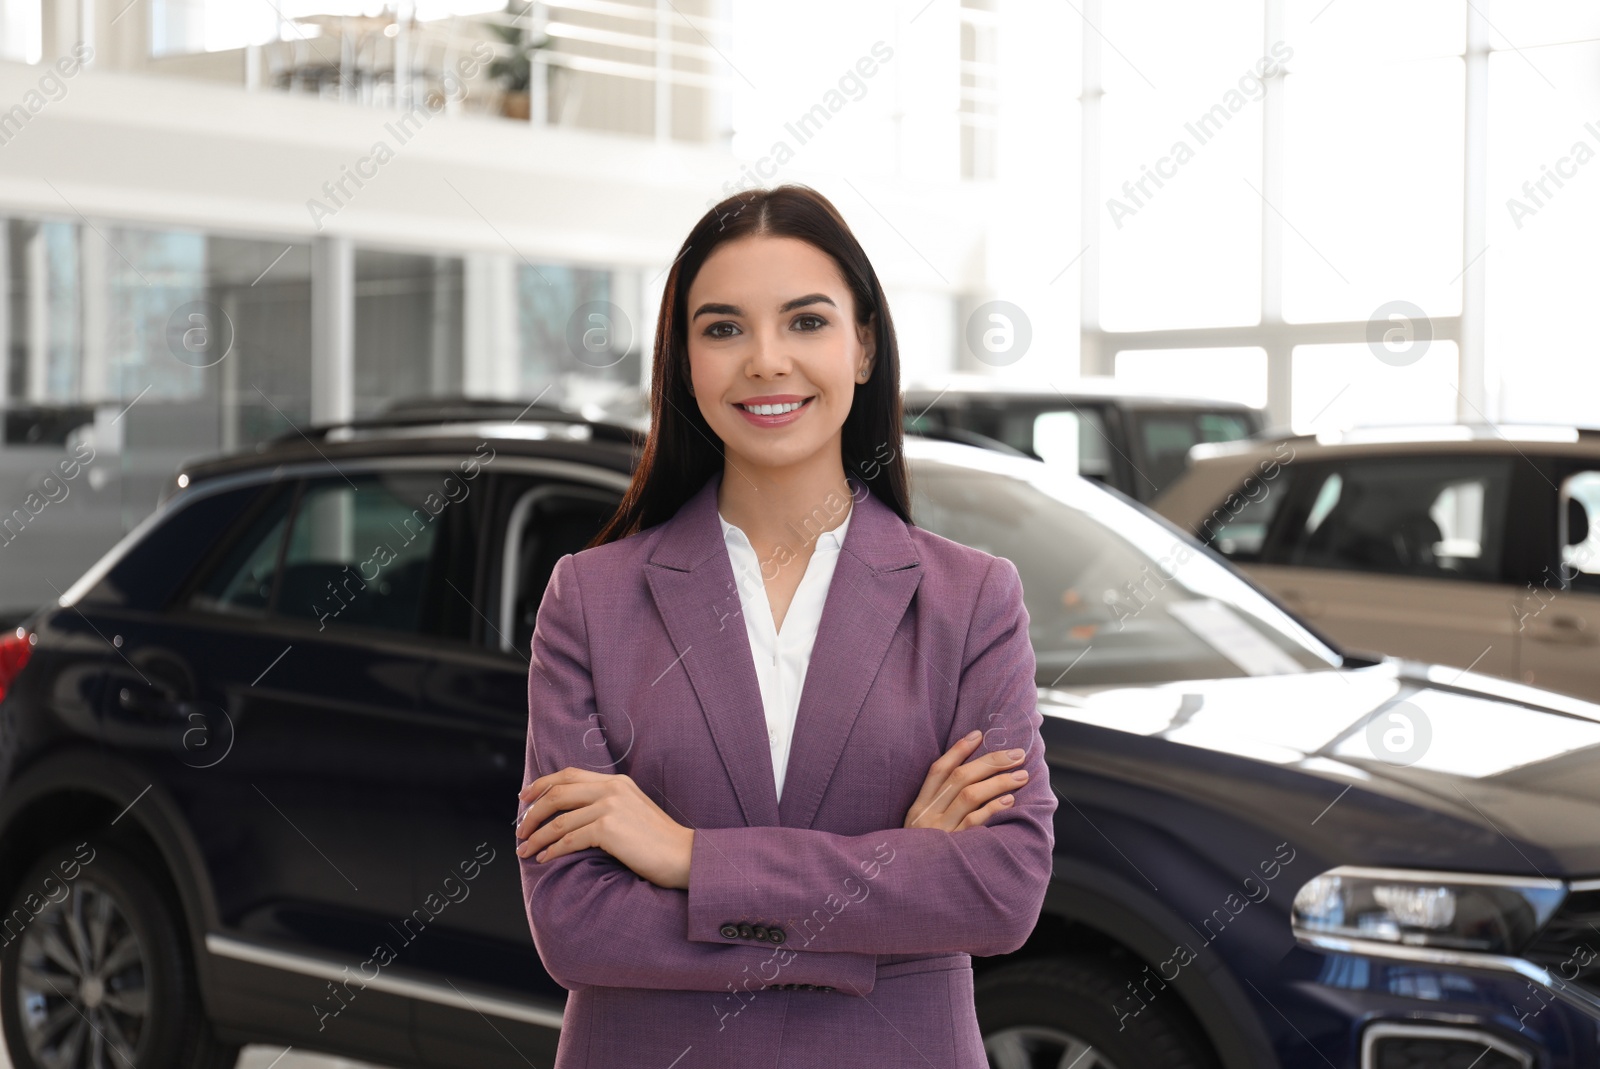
644,67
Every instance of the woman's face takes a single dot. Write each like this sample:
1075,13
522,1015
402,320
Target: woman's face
772,322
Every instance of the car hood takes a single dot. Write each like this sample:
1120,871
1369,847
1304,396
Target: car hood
1401,763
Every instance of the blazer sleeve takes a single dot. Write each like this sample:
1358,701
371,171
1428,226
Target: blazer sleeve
594,921
908,890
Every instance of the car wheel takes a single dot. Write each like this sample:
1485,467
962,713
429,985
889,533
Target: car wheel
99,975
1062,1011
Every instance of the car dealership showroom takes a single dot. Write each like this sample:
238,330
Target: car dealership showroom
1187,409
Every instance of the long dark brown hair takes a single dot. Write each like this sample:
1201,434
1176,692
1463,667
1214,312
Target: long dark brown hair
681,451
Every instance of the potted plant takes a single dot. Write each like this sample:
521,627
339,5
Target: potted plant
515,72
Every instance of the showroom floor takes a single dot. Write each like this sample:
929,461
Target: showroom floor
264,1057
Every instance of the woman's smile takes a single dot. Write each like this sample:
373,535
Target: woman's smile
777,411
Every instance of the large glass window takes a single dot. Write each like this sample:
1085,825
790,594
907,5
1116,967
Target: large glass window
1368,228
129,349
1543,198
1237,373
1181,132
575,330
1347,384
408,327
1352,150
21,25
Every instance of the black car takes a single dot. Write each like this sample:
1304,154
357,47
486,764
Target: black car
1133,440
258,768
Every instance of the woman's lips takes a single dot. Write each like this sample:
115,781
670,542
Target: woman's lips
774,421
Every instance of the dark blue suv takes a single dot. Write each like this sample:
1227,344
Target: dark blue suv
258,768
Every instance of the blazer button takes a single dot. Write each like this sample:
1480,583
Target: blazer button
730,931
746,932
775,935
761,932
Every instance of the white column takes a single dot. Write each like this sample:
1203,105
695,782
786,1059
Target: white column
228,398
38,317
333,348
61,28
5,321
94,296
1472,402
1274,131
663,83
87,27
1091,359
627,293
492,365
441,379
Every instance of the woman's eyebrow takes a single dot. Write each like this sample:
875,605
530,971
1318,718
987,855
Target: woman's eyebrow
787,306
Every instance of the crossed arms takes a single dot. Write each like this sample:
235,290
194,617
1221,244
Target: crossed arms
841,900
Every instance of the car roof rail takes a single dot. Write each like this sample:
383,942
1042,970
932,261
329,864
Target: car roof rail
421,412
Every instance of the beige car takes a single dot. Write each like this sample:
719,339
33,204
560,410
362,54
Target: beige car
1476,546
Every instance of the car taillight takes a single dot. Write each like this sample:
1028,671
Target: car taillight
14,650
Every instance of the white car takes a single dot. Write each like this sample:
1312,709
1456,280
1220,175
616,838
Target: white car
1455,544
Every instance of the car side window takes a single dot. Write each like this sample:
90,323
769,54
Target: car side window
1073,437
1165,438
1579,530
543,522
1424,516
390,550
1239,526
241,579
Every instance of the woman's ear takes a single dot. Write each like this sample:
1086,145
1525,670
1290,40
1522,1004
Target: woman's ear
869,349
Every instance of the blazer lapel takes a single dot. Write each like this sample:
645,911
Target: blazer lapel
691,581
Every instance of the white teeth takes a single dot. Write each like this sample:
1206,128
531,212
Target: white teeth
771,410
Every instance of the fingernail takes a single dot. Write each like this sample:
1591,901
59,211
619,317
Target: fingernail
1014,754
973,736
1007,800
540,855
1020,774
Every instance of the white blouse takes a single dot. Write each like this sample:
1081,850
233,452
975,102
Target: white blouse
781,658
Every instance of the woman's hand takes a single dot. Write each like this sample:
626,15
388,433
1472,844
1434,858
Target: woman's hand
956,796
607,811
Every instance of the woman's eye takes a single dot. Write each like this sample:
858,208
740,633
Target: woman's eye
810,322
713,331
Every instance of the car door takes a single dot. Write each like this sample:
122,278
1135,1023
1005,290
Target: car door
474,712
1404,555
317,620
1559,616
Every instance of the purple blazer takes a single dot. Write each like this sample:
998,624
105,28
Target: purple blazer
818,932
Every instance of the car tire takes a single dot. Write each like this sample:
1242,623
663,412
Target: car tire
139,992
1063,1011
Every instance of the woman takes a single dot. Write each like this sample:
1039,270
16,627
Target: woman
726,858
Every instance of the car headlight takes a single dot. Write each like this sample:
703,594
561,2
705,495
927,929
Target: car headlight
1454,910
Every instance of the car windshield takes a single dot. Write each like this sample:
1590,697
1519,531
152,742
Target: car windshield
1113,596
